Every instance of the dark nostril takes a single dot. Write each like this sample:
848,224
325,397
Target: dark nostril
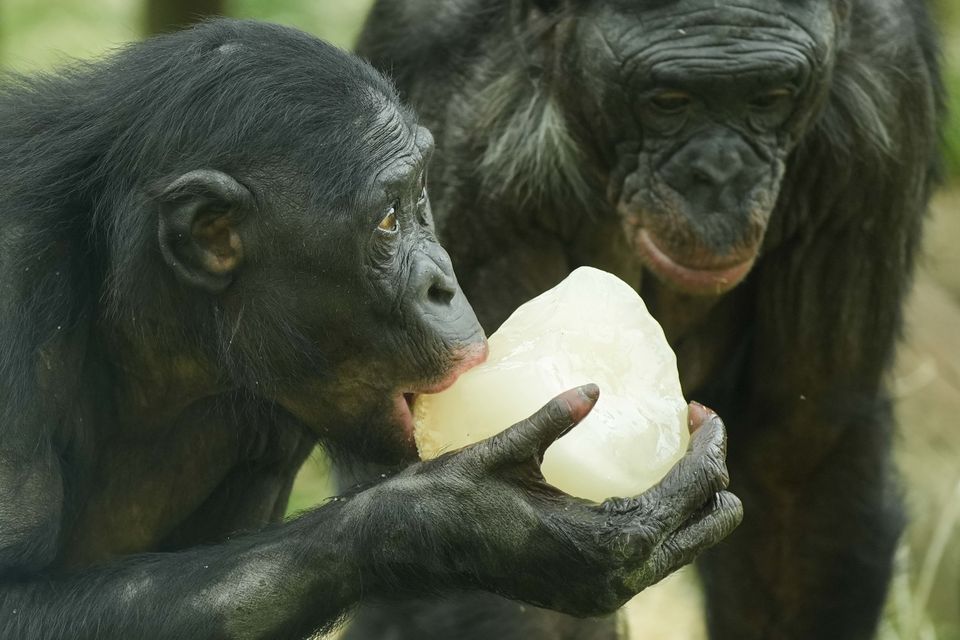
441,283
702,175
717,173
442,291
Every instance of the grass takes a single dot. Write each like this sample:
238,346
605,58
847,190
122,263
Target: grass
907,614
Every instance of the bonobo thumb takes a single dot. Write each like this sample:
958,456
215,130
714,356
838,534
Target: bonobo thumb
531,437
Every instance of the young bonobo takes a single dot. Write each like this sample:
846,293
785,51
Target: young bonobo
758,170
217,250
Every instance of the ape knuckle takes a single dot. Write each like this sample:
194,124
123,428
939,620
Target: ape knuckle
731,511
557,413
710,439
727,501
650,534
671,548
488,454
718,430
714,475
648,526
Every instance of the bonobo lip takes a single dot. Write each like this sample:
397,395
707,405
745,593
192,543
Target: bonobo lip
712,280
464,360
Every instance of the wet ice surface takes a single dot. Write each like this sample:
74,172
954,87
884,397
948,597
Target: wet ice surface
592,327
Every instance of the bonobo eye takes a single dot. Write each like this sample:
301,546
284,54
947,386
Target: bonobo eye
772,99
671,102
389,222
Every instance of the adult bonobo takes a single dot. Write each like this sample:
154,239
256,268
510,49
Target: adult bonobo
216,251
759,170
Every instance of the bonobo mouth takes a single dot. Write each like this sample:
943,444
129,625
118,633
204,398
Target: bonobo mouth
713,278
463,360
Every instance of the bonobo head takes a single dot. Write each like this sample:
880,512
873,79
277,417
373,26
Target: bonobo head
288,186
692,107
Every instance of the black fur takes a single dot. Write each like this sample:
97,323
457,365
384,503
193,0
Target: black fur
216,251
794,356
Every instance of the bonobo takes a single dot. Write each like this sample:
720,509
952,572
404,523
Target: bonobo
217,250
759,170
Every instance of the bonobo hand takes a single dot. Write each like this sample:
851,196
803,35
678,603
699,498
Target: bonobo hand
484,517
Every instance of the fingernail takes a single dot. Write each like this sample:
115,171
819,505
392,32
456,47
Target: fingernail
590,391
697,413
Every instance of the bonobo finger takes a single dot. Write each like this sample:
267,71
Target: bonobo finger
691,482
698,415
715,522
530,438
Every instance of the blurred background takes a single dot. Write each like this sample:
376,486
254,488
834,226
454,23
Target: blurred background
924,603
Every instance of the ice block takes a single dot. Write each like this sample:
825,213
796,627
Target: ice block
592,327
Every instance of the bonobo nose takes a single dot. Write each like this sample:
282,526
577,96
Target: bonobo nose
442,289
717,167
439,285
714,172
442,303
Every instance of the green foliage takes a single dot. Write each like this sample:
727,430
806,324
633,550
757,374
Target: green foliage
948,22
947,11
952,131
40,35
314,484
338,21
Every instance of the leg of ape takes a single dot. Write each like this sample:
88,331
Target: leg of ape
813,556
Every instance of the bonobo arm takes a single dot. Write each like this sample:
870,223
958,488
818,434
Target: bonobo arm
284,581
497,525
481,517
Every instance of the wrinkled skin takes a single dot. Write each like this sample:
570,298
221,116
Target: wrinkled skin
758,171
218,251
717,98
609,551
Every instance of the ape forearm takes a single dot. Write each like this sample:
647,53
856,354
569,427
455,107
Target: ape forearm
284,582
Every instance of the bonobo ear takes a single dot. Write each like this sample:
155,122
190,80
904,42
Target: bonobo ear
198,232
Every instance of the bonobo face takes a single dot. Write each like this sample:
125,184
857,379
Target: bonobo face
332,294
367,282
700,103
411,304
